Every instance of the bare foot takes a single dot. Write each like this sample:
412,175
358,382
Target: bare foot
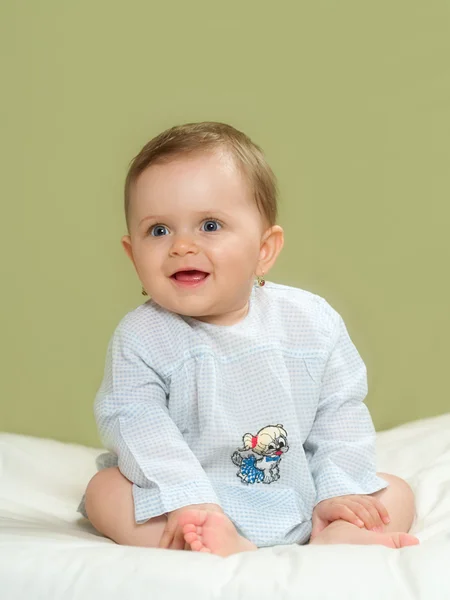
212,532
346,533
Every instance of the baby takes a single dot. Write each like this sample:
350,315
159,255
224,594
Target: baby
232,407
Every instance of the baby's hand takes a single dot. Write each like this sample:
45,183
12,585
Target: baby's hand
359,509
172,537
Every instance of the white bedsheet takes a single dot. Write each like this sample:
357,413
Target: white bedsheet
48,552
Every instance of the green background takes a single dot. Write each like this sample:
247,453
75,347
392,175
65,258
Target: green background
350,101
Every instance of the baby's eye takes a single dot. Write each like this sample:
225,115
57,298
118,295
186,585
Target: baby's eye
271,447
211,225
281,443
156,228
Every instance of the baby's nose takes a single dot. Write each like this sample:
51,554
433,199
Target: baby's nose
183,245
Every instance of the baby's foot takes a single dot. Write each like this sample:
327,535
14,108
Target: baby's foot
212,532
347,533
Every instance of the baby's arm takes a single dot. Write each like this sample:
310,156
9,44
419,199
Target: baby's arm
134,422
340,447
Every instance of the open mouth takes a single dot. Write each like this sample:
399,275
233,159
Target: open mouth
189,278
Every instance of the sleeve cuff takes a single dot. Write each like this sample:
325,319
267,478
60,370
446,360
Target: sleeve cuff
149,503
335,482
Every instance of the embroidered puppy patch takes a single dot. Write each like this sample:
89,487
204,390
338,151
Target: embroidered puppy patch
259,458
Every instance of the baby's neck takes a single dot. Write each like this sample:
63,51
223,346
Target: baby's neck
227,319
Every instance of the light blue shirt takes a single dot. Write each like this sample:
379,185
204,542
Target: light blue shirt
265,417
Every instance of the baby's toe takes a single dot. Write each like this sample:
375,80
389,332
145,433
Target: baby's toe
408,540
197,545
191,537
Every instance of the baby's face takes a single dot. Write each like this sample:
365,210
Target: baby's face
196,212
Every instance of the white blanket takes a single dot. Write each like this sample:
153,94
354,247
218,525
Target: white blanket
48,552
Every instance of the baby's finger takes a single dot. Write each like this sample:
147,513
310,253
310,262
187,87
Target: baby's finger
178,539
166,538
374,514
365,516
342,511
371,506
382,510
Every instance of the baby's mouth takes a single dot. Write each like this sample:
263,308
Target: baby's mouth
190,276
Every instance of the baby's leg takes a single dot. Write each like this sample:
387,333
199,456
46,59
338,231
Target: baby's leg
398,499
110,508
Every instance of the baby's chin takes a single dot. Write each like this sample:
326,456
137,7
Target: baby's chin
191,313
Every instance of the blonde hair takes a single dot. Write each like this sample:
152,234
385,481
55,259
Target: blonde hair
209,136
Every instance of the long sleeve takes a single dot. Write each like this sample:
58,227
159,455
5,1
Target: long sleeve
134,423
340,447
